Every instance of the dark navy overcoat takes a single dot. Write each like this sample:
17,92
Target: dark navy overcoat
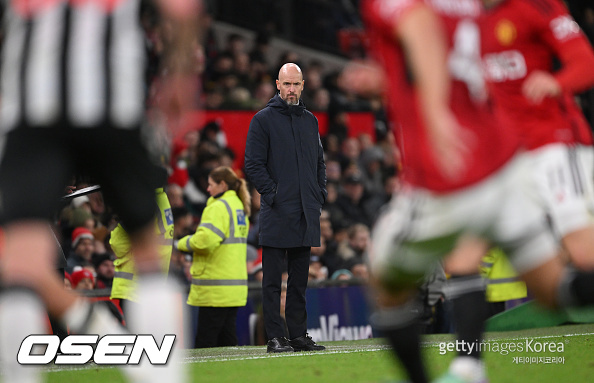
284,160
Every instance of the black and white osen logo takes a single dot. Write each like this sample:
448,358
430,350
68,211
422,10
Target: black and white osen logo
80,349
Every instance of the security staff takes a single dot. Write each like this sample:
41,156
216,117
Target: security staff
124,281
503,283
219,271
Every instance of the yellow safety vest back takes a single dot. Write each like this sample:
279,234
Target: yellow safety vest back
219,247
124,281
503,283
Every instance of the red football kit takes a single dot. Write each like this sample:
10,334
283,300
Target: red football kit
495,141
521,36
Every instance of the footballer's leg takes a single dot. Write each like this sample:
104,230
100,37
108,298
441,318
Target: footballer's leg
397,318
466,290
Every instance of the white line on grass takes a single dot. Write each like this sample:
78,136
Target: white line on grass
229,358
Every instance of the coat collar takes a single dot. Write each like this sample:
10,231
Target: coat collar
281,105
226,194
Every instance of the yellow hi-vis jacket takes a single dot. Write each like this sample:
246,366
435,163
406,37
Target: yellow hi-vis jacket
124,282
219,270
503,283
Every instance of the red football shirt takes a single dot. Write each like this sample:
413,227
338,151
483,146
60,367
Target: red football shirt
521,36
495,142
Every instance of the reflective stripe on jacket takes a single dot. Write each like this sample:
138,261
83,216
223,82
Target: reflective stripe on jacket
219,246
503,283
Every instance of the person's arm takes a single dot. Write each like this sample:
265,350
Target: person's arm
365,78
256,161
421,34
120,242
571,46
209,235
177,93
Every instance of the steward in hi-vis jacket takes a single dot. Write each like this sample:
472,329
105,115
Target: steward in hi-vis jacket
124,281
219,270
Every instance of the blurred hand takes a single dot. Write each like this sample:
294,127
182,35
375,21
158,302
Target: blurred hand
366,79
176,95
539,85
452,144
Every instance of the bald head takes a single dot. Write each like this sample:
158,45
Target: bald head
290,83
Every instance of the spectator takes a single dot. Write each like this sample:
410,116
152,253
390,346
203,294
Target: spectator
212,132
359,270
317,271
341,275
254,234
242,68
259,52
175,194
352,204
329,258
350,152
81,202
355,249
83,247
320,100
372,166
235,45
263,93
82,279
183,222
103,264
333,170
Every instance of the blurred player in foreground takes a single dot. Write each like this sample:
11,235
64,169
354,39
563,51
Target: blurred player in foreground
462,173
73,101
540,102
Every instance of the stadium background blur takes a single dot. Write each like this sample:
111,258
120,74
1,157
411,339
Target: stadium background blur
243,44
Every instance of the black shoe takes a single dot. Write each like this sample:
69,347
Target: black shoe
280,344
305,343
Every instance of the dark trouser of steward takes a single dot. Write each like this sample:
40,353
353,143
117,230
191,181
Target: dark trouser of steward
216,327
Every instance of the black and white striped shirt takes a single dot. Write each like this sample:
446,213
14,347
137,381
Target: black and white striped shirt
80,62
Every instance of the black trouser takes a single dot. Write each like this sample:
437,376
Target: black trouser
295,312
216,327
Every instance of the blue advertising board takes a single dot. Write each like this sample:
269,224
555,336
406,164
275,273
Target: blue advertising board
333,313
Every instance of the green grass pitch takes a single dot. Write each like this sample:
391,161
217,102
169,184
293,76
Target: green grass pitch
371,361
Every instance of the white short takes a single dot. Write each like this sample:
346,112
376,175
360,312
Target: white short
565,182
419,227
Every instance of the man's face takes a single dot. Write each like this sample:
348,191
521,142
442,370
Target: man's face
360,240
290,85
106,269
85,284
85,248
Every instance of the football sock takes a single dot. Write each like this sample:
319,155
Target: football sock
400,326
21,314
470,310
406,343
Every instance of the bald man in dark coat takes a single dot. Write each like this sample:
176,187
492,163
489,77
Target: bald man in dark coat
284,160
